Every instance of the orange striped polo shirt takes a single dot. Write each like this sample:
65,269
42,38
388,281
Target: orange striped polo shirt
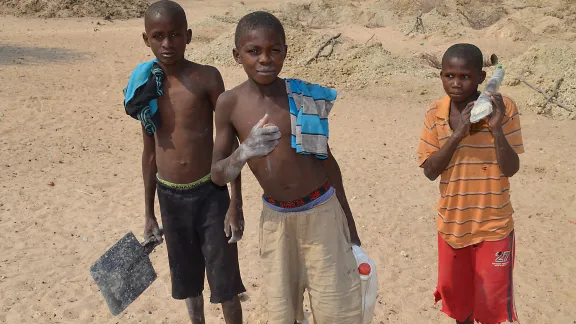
474,203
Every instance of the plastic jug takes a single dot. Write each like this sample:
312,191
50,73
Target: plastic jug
369,280
483,105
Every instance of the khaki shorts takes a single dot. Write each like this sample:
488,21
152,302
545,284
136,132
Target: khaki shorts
310,250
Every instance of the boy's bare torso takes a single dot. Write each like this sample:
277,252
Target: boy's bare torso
184,139
283,174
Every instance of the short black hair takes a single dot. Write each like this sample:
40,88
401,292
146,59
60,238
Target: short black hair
256,20
468,52
166,7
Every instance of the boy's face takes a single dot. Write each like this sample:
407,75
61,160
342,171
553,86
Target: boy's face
167,37
261,52
460,79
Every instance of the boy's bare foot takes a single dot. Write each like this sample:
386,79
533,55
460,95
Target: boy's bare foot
196,309
232,311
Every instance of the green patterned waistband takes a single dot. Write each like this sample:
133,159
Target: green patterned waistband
185,185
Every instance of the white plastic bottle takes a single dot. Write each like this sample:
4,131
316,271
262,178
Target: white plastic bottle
483,106
369,280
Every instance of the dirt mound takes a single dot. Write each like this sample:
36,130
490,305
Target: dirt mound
112,9
541,66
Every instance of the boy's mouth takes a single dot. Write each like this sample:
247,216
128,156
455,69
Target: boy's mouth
167,54
266,72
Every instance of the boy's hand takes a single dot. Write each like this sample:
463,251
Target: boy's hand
463,129
261,141
355,239
495,121
152,230
234,224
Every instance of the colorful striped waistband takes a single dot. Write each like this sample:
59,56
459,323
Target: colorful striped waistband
302,201
190,185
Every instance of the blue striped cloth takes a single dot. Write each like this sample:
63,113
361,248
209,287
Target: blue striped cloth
142,92
310,105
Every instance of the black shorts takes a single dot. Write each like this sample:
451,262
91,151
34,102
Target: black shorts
193,221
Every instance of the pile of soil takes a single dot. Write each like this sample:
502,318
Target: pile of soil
542,65
109,9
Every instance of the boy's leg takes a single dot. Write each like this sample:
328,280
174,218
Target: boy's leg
222,267
185,257
494,300
284,285
195,307
332,273
455,282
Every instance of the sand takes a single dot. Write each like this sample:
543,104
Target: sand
70,156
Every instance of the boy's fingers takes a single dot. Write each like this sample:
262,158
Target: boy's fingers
262,121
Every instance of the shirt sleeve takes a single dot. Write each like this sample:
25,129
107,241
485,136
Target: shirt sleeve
428,143
511,126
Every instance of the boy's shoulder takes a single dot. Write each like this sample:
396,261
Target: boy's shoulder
202,70
437,107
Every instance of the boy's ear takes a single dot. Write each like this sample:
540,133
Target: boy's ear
482,77
145,38
236,55
188,36
285,51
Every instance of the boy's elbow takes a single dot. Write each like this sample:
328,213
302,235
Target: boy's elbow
430,174
216,176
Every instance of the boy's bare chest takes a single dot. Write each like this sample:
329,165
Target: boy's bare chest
181,102
252,111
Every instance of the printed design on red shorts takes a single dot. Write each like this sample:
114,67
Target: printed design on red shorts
502,259
302,201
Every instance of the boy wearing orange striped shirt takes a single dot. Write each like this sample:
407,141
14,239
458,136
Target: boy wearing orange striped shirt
476,244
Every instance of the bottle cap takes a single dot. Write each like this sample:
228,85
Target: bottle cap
364,269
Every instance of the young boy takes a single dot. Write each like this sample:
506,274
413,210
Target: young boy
474,161
306,226
176,162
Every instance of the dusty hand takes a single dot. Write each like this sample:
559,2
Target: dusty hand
234,224
495,121
261,141
463,129
152,231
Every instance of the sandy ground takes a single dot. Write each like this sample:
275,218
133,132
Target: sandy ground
62,121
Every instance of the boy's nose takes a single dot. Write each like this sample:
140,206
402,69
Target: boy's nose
264,59
167,43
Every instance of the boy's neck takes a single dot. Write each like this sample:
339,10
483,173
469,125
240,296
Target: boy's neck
173,69
461,105
276,88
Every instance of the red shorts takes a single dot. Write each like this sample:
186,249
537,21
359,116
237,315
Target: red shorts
477,280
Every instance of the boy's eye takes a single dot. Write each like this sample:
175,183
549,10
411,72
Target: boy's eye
252,51
157,36
175,34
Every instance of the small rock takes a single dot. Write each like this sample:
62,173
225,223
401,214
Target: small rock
51,184
85,239
404,254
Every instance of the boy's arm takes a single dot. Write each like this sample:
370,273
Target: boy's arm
508,159
234,222
335,176
149,170
228,163
436,163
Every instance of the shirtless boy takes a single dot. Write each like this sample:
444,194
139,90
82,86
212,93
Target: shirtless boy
306,228
176,162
